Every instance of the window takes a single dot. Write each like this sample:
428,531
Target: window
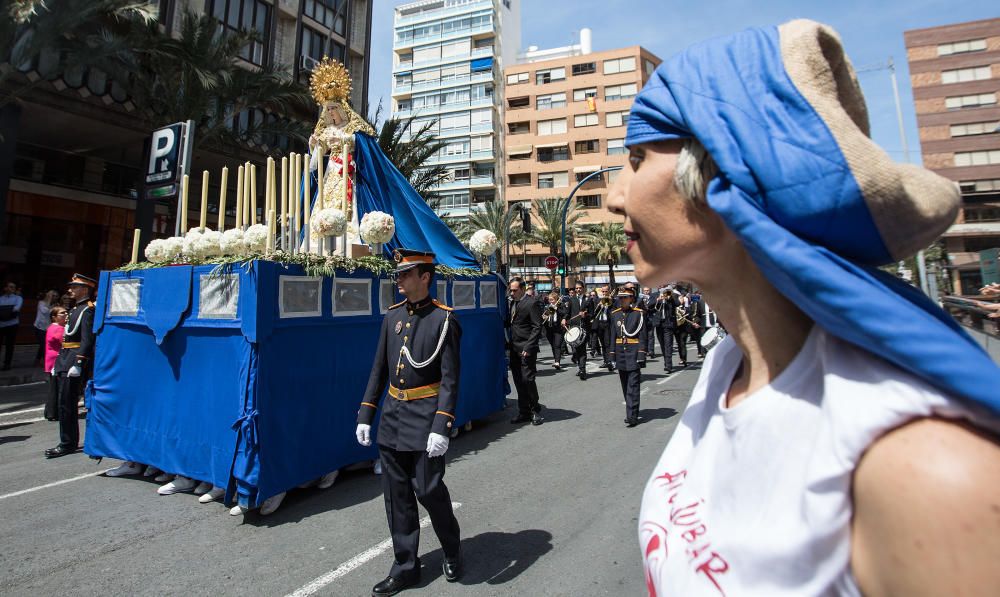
549,75
961,47
616,92
237,15
616,147
619,65
980,186
553,100
428,54
551,180
482,143
581,175
517,78
316,45
977,158
617,119
612,176
454,201
553,154
589,201
588,146
329,13
974,128
456,148
963,75
970,101
580,95
459,174
516,103
585,68
352,296
581,120
455,122
519,128
456,48
982,214
299,296
482,116
648,67
552,127
520,180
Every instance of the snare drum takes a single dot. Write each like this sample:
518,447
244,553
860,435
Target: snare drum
712,336
574,337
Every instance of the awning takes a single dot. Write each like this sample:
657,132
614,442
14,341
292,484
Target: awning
481,64
586,169
547,145
519,150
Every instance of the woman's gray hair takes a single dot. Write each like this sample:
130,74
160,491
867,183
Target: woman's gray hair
695,168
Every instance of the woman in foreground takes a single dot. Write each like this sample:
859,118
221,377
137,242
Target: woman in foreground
842,439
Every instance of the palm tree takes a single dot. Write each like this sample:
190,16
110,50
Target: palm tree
492,217
607,241
548,214
411,156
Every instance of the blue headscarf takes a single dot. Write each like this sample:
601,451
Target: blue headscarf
815,203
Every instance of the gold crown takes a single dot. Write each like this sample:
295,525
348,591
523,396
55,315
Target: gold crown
330,81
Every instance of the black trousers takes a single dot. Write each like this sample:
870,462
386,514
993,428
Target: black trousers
696,333
651,342
630,388
603,342
7,337
554,335
69,411
681,339
409,477
580,356
52,404
666,338
523,370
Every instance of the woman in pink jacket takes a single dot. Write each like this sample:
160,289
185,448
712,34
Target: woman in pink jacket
53,344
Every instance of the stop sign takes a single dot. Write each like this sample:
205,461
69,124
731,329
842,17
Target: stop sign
552,262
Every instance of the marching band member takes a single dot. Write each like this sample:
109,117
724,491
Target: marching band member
629,334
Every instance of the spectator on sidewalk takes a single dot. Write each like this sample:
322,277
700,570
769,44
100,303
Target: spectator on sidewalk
10,318
43,320
53,343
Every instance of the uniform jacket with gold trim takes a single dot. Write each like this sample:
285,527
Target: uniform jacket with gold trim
412,415
628,353
80,339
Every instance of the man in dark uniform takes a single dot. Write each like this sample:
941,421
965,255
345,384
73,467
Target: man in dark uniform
628,345
422,373
525,325
696,319
647,303
74,363
665,322
601,327
577,316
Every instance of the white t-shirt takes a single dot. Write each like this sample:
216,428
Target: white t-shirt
756,499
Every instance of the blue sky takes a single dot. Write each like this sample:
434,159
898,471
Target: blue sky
872,31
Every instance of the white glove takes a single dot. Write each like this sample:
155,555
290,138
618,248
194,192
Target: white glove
437,445
74,371
363,433
53,372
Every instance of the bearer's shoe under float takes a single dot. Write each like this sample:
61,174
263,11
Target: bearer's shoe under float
327,480
271,504
163,478
124,469
214,494
202,488
178,485
151,471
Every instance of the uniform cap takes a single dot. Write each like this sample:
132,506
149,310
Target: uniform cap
407,259
81,280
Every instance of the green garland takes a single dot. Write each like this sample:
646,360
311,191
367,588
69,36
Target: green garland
314,265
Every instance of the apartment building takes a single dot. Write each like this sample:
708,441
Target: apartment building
566,115
955,74
447,60
77,144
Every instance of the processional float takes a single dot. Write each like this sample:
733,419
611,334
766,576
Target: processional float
239,357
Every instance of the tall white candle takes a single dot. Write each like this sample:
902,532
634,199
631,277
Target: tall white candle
222,199
203,222
183,216
135,246
239,197
253,194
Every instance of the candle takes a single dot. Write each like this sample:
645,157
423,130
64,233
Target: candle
222,199
183,216
204,200
239,197
296,199
246,196
307,205
343,187
284,203
135,246
268,185
253,194
319,182
269,243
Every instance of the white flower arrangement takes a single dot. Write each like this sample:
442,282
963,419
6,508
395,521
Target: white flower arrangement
232,242
173,249
377,227
209,243
155,251
256,238
192,245
483,242
328,222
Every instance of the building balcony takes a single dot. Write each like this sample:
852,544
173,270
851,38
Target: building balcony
448,36
456,9
481,155
443,108
409,88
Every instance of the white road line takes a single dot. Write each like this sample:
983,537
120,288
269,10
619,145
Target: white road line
18,422
663,381
47,485
19,412
355,562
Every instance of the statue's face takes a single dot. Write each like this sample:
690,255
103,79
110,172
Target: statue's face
333,114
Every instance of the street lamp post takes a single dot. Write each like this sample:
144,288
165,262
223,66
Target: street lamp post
519,206
562,277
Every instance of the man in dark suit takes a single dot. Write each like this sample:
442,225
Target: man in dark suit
74,364
525,325
577,316
418,358
647,302
628,343
602,319
664,324
696,319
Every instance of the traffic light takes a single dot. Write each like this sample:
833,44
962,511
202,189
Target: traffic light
561,269
525,220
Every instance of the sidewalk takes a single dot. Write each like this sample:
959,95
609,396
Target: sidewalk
23,368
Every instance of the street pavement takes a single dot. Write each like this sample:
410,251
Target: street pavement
546,510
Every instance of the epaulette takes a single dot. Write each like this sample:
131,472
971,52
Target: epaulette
397,305
442,305
617,310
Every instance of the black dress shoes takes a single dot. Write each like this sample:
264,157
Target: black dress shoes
58,451
452,569
631,422
391,586
521,419
536,419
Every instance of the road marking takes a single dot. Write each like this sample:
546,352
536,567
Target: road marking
663,381
47,485
21,412
22,421
355,562
644,390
